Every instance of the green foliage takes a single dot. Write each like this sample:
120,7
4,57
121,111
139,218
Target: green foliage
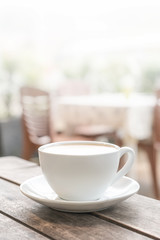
149,78
76,72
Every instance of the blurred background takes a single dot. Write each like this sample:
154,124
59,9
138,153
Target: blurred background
107,46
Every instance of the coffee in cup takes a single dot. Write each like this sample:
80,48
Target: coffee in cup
83,170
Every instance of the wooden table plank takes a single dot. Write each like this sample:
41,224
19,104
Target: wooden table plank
18,170
11,229
58,225
11,162
129,212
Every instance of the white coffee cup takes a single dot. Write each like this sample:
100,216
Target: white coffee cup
83,170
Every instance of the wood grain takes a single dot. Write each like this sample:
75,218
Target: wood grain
138,212
10,229
17,170
10,162
58,225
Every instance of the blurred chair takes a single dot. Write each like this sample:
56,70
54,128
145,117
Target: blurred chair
89,132
36,119
151,146
99,132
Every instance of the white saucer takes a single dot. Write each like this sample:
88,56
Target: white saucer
38,190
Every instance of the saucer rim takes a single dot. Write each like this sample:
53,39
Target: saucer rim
61,201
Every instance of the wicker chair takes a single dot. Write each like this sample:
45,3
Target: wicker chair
36,119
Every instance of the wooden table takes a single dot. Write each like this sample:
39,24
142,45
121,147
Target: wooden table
21,218
133,115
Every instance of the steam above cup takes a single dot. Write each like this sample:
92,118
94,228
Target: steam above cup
83,170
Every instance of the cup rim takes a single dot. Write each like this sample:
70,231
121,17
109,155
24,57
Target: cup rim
41,148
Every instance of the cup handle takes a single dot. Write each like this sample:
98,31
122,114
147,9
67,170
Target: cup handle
127,166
